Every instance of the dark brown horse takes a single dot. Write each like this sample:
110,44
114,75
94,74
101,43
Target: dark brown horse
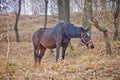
56,37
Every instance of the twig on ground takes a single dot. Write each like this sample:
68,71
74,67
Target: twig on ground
8,48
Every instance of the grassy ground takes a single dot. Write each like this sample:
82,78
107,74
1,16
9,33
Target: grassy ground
79,64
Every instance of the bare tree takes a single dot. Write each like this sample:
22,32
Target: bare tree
46,6
64,10
105,33
53,7
79,4
16,22
0,5
113,6
103,5
116,21
36,6
87,14
60,10
8,47
95,5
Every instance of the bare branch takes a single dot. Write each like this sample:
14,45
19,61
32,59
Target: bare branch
8,48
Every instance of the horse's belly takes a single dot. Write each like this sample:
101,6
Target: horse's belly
48,44
51,46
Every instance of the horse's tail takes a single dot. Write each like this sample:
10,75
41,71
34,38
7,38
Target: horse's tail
37,36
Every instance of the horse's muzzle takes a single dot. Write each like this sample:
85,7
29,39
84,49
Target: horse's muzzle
90,46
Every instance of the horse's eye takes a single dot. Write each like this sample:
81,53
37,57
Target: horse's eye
87,38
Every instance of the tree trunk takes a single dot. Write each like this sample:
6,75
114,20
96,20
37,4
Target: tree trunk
103,5
116,21
105,33
16,22
87,14
113,6
64,10
0,5
95,5
60,10
46,6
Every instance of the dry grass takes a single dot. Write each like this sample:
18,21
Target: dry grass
79,64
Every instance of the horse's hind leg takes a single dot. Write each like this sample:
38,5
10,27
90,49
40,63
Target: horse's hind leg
36,52
42,52
63,52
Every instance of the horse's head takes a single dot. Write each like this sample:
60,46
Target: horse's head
86,38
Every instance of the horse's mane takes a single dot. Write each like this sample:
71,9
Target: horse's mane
68,29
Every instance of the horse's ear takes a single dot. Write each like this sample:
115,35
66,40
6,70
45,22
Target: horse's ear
82,29
88,29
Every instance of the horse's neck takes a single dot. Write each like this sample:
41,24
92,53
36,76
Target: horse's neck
75,33
75,36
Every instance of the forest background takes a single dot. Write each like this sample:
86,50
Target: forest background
20,18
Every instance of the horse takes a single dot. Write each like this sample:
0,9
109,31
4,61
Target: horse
56,37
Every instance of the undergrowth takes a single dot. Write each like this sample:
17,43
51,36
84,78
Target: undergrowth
79,64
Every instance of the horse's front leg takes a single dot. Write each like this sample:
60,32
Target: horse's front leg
63,51
64,47
57,50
